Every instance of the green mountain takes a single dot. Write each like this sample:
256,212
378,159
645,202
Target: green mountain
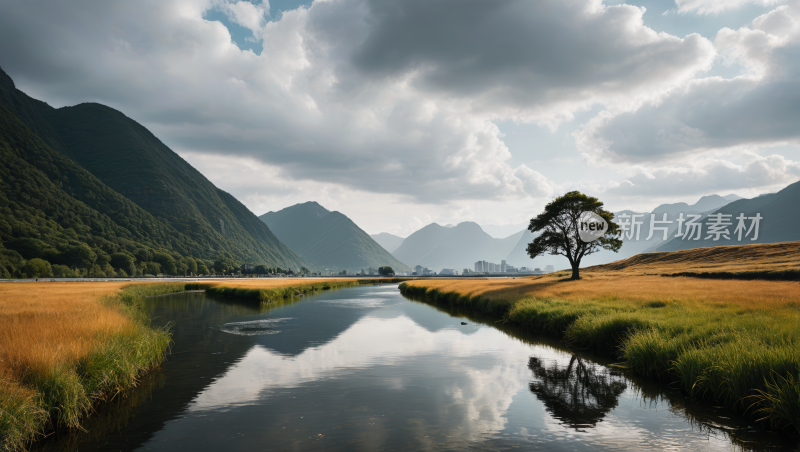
328,240
88,175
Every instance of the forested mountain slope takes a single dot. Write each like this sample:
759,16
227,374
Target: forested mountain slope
91,171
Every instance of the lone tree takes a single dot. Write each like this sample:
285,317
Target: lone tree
560,224
386,271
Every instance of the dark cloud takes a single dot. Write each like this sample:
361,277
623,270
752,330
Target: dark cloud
512,54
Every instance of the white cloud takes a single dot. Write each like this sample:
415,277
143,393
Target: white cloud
759,109
709,175
717,6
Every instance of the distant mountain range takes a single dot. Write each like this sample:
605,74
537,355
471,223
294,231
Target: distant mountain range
89,176
780,221
459,247
389,242
329,240
632,246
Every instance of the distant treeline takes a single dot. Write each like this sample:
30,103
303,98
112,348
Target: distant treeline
28,257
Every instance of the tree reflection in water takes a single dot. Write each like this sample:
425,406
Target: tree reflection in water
580,394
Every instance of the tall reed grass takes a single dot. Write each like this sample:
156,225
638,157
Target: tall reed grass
68,346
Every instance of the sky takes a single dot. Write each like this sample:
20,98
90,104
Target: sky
400,113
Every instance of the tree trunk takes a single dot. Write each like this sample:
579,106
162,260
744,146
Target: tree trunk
576,271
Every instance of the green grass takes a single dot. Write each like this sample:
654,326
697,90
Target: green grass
271,295
21,415
748,360
60,397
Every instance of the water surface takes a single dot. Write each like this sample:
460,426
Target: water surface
366,369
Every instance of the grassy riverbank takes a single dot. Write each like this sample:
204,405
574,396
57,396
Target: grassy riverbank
68,346
735,342
272,290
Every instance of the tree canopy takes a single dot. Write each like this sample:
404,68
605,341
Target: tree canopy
560,226
386,271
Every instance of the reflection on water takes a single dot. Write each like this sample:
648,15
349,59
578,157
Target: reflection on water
580,394
366,369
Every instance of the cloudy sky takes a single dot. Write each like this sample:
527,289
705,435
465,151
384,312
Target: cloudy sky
399,113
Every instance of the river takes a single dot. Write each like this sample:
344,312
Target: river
365,369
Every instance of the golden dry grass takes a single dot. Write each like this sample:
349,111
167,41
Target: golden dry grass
735,258
49,323
636,279
745,294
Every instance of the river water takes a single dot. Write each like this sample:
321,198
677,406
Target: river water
365,369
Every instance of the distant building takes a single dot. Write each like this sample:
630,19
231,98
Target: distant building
426,271
447,271
537,270
466,271
549,268
418,269
503,266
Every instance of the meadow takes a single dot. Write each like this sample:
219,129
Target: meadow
735,342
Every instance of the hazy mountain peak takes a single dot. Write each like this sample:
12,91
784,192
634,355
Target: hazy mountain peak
457,247
328,239
704,204
709,202
732,197
433,225
389,242
311,207
471,225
